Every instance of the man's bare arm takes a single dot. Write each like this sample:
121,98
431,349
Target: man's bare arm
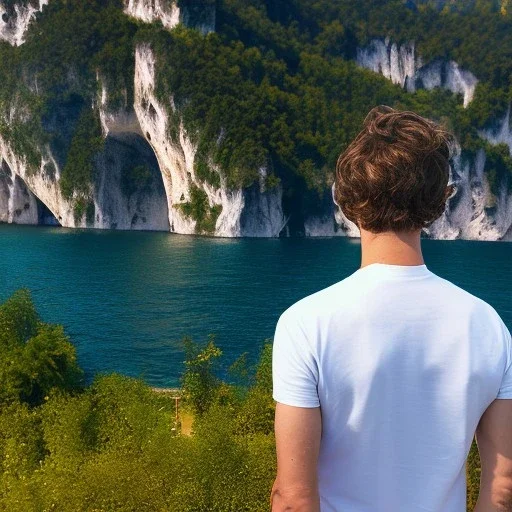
494,441
298,432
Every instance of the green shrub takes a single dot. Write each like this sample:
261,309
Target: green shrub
78,172
34,356
200,383
199,210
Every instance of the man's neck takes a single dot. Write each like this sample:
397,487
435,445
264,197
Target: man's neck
392,248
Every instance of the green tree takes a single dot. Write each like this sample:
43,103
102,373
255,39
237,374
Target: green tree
199,381
34,356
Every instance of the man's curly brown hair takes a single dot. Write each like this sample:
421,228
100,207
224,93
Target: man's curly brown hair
394,175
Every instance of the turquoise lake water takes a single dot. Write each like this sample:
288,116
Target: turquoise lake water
126,299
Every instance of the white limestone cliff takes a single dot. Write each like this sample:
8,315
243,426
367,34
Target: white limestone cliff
114,206
17,204
150,11
14,23
402,66
176,160
473,212
142,135
43,183
169,14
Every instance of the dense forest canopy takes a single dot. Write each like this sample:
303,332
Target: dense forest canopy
277,80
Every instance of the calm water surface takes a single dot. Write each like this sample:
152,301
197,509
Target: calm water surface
126,299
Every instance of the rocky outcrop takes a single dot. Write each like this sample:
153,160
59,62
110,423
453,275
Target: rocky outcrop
15,19
249,212
17,204
127,192
128,189
43,183
402,66
473,212
169,14
150,11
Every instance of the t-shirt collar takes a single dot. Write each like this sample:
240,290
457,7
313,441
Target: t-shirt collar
398,270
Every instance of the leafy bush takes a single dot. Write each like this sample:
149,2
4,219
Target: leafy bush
199,209
34,356
200,384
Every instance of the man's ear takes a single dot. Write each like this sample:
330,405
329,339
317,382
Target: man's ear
451,190
334,195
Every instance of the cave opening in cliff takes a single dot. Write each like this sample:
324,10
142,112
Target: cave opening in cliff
129,188
44,216
18,204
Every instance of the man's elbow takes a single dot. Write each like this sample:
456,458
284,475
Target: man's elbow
289,499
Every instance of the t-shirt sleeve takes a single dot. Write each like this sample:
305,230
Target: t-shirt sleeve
506,384
294,367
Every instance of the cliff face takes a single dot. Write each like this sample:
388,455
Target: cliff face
248,212
402,66
169,14
474,212
115,204
157,10
14,20
145,175
17,204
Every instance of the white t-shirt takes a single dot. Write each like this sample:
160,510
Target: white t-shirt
403,364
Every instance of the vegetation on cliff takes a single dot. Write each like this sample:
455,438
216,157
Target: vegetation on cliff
275,86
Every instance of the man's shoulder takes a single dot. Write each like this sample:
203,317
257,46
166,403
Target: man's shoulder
466,297
346,293
473,305
323,301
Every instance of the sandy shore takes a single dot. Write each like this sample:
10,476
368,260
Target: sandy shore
173,391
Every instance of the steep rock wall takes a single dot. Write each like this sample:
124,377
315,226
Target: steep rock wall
169,14
43,183
250,212
138,138
17,204
473,212
125,161
14,21
150,11
402,66
122,199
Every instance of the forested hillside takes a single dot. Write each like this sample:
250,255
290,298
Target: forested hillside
266,97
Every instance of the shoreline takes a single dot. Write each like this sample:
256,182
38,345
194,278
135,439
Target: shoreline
176,391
